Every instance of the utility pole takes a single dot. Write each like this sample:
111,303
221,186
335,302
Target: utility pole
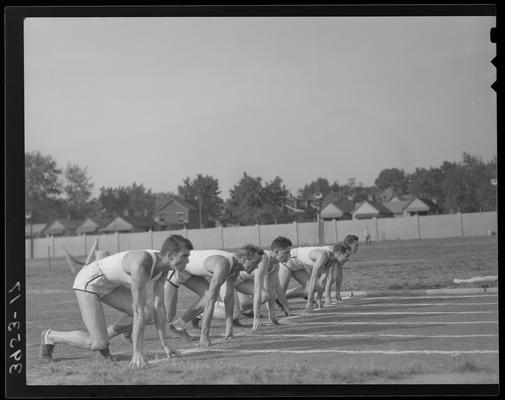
28,216
200,207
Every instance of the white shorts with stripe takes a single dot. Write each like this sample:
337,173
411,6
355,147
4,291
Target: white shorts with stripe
91,280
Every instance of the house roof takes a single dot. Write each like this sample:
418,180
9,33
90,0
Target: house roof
378,206
181,202
68,224
429,204
99,222
329,213
139,221
342,205
35,228
397,207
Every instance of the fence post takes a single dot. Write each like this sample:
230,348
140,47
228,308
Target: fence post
418,227
376,228
117,242
49,257
221,234
460,216
259,235
335,229
151,237
53,245
85,244
296,233
185,232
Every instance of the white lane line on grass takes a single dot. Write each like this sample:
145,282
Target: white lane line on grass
390,313
274,335
340,304
392,323
423,297
305,351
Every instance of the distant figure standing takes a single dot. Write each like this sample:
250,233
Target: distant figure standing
368,237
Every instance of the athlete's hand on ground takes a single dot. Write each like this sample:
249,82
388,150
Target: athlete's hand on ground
229,336
309,308
256,324
172,352
138,361
204,342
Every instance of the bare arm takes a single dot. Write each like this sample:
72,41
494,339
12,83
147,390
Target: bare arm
339,276
259,278
171,289
280,293
138,270
218,278
321,260
229,303
160,313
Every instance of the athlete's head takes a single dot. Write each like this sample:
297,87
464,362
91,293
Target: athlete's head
352,242
175,251
281,248
342,252
249,256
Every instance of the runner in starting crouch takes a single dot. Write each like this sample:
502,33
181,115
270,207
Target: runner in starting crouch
306,265
220,267
262,285
120,281
335,274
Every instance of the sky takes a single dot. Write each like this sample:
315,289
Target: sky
155,100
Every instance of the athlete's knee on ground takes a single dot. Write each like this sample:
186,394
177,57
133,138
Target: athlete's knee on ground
96,344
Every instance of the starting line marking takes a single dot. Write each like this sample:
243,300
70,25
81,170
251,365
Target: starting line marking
391,323
392,352
350,335
389,313
422,297
340,304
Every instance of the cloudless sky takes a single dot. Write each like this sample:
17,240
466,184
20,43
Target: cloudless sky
155,100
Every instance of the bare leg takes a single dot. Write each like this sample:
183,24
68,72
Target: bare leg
247,288
284,277
198,285
302,276
96,337
121,299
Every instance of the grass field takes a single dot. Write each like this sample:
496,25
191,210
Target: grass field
439,339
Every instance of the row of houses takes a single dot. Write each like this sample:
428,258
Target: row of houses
177,214
397,207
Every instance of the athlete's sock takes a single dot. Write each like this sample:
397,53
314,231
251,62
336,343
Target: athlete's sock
47,340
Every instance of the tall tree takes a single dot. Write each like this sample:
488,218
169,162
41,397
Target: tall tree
77,188
427,183
392,177
114,201
141,201
274,196
320,185
254,202
203,191
42,187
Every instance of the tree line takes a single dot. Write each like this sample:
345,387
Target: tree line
55,192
